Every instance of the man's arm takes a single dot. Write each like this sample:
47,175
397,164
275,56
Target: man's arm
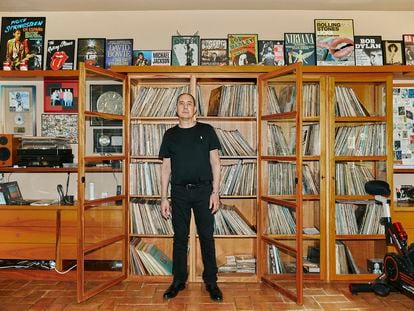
165,179
215,167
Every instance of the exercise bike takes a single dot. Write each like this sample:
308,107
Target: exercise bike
398,268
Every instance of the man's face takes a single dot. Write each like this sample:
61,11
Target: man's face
17,34
186,107
375,57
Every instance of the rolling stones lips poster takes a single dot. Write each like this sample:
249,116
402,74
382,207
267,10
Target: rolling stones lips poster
60,55
334,42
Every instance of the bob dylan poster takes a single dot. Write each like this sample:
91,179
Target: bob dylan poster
334,42
22,43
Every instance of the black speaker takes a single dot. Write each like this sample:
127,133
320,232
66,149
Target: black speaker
8,149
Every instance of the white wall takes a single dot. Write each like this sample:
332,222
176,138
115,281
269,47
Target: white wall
153,29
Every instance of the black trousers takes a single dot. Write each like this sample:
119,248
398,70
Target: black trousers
184,199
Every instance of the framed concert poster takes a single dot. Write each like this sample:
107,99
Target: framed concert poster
106,98
61,96
19,113
243,49
185,50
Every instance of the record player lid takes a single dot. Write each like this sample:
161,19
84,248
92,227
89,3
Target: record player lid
37,142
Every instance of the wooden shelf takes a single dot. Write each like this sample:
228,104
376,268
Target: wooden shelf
43,74
56,169
359,158
360,119
284,116
360,237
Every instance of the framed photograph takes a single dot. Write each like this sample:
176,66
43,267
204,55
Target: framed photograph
393,52
19,113
118,52
142,58
271,53
185,50
107,140
161,58
300,47
214,52
334,42
22,42
60,125
368,51
106,98
60,55
91,51
243,49
61,96
408,41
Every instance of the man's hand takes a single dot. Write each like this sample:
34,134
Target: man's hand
165,208
214,202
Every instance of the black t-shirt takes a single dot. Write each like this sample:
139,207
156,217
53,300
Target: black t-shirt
189,151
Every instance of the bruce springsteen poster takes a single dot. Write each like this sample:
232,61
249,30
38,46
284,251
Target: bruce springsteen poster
22,42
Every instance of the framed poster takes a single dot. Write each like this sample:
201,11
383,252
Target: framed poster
61,96
271,52
106,98
185,50
92,51
242,49
300,47
22,42
368,51
393,52
60,125
60,55
142,58
118,52
161,58
107,140
214,52
408,41
334,42
19,113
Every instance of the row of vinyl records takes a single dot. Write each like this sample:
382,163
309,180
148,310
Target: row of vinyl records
236,179
276,265
240,100
358,217
278,143
148,259
146,140
351,178
146,219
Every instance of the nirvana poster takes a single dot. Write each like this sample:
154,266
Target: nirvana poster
60,55
368,51
185,50
22,42
243,49
334,42
300,47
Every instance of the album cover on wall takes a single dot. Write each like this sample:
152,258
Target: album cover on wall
300,47
214,52
60,55
22,42
271,53
368,51
243,49
118,52
91,51
185,50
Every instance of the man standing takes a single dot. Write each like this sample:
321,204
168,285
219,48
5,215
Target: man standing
190,157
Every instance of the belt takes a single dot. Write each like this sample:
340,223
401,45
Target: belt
189,186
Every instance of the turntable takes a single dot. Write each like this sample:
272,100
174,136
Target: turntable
44,152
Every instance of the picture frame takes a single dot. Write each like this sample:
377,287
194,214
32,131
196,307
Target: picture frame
368,51
185,50
300,47
214,52
142,57
19,113
60,96
408,40
60,125
243,49
107,140
334,42
271,52
91,51
393,52
161,58
118,52
106,98
60,55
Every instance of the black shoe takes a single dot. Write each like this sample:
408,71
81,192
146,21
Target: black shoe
173,290
215,292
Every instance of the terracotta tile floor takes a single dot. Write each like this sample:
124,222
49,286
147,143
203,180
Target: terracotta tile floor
16,295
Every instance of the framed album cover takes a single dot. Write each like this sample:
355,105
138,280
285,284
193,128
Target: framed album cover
271,53
118,52
61,96
408,41
393,52
91,51
22,42
243,49
19,113
106,98
107,140
60,125
185,50
161,58
334,42
60,55
142,58
300,47
214,52
368,51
